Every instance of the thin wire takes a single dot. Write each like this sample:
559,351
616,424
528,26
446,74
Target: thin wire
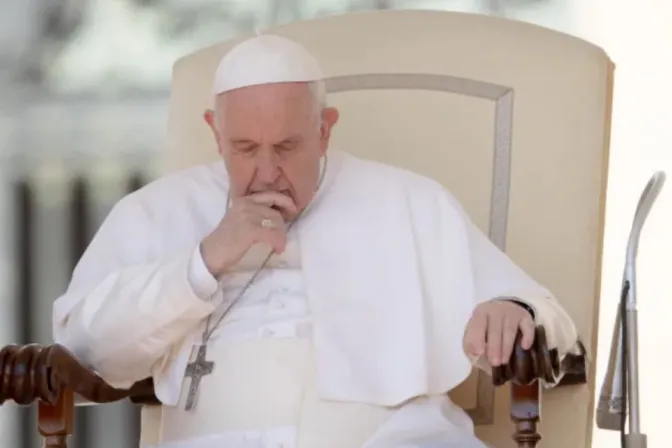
207,333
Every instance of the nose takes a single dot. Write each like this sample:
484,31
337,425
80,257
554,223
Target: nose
268,166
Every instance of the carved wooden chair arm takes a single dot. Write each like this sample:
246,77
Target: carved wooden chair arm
526,370
54,378
32,373
540,363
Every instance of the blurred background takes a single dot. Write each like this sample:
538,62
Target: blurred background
84,86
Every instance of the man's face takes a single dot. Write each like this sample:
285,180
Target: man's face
271,139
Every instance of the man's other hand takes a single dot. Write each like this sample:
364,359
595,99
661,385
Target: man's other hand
493,328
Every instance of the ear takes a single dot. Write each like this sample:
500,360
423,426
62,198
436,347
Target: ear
209,118
329,120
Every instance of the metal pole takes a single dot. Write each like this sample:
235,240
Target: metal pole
634,438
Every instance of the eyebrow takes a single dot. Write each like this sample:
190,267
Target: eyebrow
242,141
291,140
246,141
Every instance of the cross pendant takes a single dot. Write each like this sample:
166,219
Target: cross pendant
197,370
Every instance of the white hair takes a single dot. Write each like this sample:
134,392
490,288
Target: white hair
318,92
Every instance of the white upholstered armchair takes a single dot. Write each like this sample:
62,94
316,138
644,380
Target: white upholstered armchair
512,118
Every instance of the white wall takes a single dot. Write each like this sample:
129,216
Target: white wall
638,37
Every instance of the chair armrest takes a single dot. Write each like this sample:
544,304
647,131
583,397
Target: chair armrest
57,381
540,363
526,370
53,377
33,372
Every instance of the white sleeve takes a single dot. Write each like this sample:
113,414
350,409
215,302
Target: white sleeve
124,310
201,280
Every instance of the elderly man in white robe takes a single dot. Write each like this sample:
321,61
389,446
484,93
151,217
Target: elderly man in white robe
291,294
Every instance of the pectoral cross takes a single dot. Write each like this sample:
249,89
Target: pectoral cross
197,370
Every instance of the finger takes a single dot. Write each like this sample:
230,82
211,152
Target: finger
508,339
274,199
474,337
494,340
265,225
528,330
258,214
276,238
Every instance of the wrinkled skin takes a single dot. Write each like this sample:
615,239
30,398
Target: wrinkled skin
492,331
271,138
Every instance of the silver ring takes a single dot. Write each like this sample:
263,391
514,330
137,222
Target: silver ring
268,223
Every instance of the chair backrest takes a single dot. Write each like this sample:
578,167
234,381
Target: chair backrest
512,118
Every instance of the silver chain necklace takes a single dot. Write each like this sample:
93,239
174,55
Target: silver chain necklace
201,367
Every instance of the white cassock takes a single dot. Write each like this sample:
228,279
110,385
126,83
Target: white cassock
350,339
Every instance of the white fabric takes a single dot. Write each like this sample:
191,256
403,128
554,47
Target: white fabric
275,304
270,400
270,397
277,437
272,383
265,59
392,268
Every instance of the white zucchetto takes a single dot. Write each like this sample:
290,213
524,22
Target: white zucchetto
265,59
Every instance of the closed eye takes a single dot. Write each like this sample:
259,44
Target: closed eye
243,145
288,144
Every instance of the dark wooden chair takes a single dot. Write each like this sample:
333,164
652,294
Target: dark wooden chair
51,378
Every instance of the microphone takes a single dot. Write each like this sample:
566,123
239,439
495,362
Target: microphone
621,381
